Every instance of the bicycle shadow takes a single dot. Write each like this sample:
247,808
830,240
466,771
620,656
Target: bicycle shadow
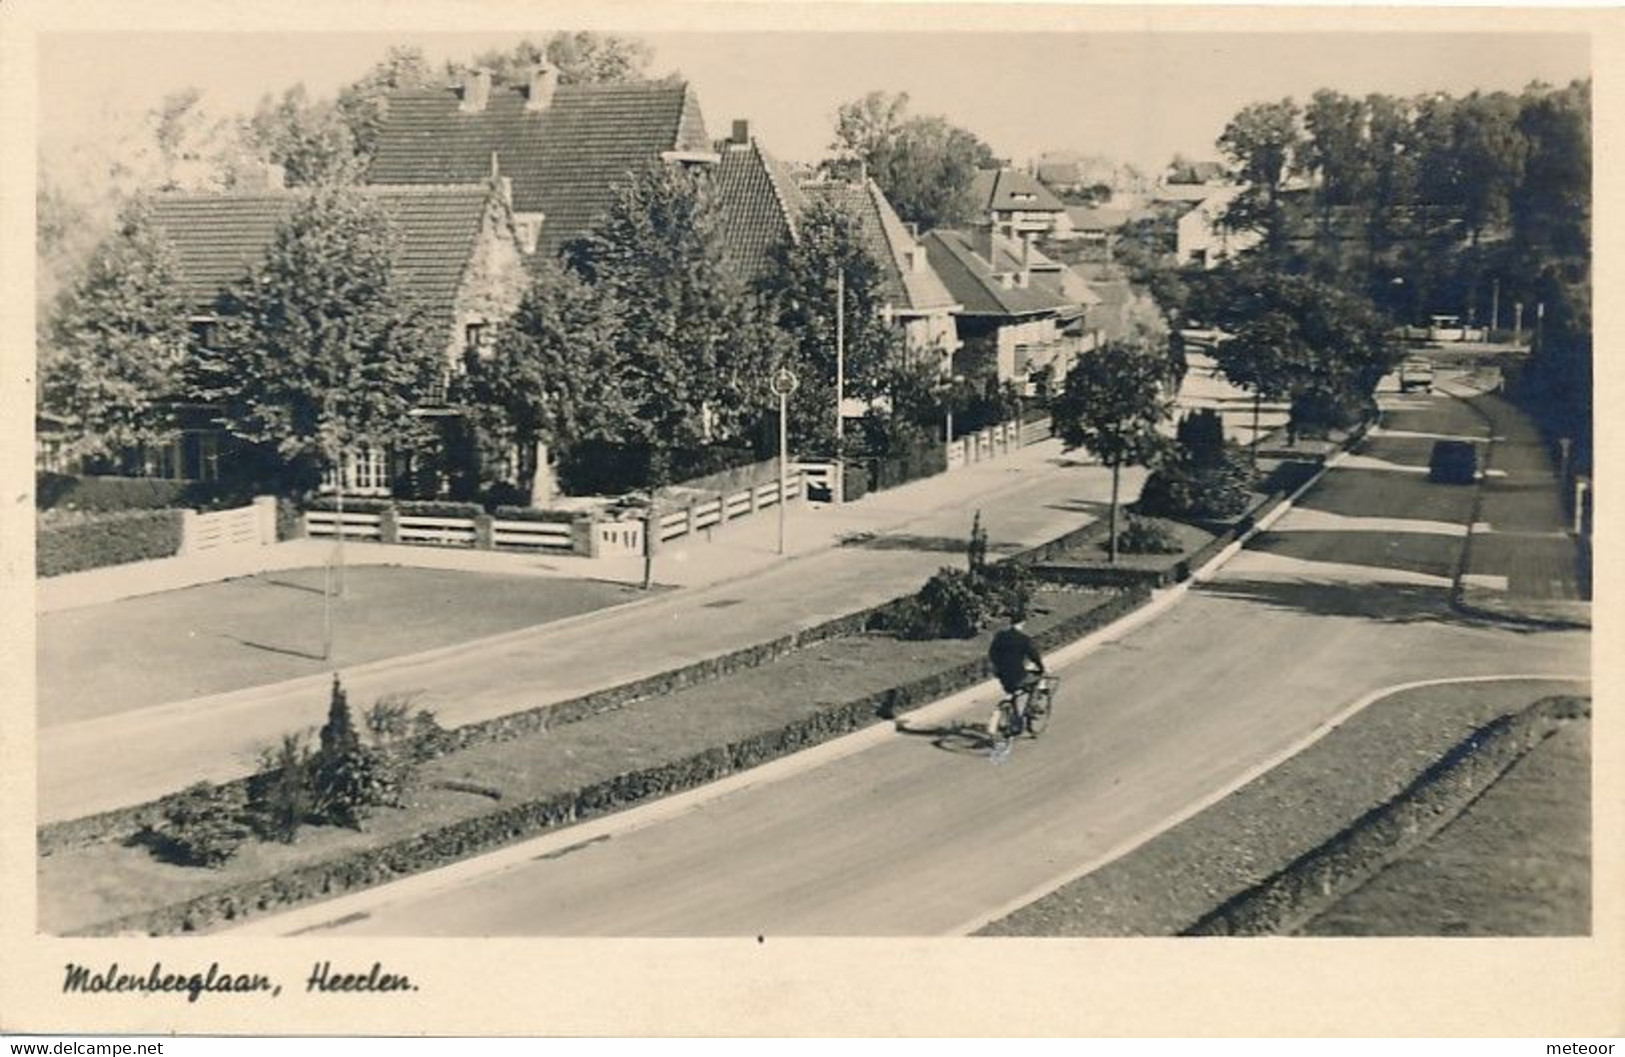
962,738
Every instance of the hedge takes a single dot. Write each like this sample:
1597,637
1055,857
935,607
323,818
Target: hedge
525,513
113,539
97,494
402,507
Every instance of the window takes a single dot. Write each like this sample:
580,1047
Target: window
475,339
366,472
204,331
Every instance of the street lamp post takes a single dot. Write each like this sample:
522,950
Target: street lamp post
784,383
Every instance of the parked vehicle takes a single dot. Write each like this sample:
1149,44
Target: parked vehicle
1453,462
1416,373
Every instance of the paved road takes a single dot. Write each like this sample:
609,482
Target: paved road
139,754
920,834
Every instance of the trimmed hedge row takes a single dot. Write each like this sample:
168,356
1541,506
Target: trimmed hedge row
1326,873
520,821
92,493
114,539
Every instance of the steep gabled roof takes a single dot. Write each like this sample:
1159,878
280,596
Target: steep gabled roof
909,281
760,203
1003,190
564,159
974,282
218,238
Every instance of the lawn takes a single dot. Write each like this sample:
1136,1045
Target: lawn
1516,862
263,629
87,884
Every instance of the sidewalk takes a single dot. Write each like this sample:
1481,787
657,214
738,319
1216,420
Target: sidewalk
739,548
742,592
1523,562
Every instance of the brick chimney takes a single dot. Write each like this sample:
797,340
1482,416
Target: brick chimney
476,91
741,136
544,81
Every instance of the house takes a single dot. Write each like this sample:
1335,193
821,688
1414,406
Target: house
1021,313
918,302
760,201
1018,204
459,259
1201,238
564,147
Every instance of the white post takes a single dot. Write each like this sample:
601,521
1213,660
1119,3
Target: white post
1579,504
784,461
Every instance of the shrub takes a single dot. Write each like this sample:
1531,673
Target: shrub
353,504
400,739
104,495
436,508
350,778
1181,490
525,513
1145,536
202,826
109,539
281,797
956,604
1201,437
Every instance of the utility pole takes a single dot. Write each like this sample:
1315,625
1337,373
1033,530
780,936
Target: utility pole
840,381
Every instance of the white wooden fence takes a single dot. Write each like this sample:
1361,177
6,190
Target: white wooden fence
606,538
247,526
994,441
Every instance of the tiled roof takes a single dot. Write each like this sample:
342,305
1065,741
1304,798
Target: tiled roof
564,159
1100,218
760,204
217,238
973,282
907,287
1003,190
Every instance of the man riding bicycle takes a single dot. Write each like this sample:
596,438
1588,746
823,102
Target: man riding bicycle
1016,661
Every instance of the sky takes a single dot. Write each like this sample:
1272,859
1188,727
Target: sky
1135,97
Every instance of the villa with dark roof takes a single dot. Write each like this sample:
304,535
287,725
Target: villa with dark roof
1017,203
563,147
459,261
1021,313
760,202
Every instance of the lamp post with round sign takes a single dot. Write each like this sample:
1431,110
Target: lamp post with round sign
784,383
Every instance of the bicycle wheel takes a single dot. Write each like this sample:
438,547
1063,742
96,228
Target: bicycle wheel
1039,706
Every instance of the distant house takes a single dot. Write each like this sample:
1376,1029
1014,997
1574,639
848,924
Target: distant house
564,147
1021,313
1201,238
1018,204
459,260
918,302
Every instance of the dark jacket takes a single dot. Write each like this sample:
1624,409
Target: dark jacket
1010,651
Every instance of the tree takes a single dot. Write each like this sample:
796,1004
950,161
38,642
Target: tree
830,252
1291,337
363,104
924,164
322,352
1335,150
551,377
118,342
308,138
1263,143
1113,402
581,57
695,351
1490,151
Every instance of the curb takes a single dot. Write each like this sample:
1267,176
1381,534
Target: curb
1316,880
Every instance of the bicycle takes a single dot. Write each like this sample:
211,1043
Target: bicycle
1025,711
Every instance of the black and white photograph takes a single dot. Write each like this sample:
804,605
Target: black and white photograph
1014,519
